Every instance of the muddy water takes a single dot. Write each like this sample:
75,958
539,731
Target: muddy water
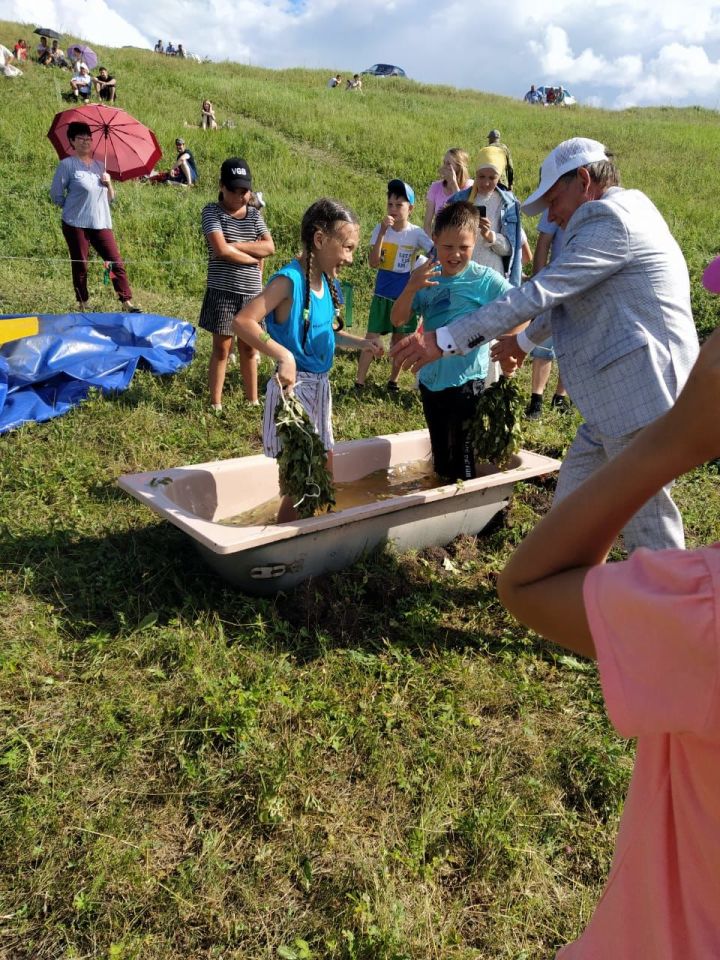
397,481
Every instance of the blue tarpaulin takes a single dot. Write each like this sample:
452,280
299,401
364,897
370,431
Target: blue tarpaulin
44,375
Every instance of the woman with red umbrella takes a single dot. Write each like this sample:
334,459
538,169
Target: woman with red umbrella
83,189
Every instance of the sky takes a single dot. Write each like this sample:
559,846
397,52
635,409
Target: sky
609,54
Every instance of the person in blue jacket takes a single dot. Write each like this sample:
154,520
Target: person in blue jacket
499,241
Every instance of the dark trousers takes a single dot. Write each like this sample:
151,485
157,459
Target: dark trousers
447,413
79,240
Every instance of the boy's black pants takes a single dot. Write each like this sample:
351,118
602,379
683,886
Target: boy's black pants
447,413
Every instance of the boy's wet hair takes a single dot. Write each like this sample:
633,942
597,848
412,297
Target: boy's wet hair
460,215
325,215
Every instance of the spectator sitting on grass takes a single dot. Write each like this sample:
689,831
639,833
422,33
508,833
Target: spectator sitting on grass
81,84
43,52
75,56
6,67
105,85
208,120
58,56
184,173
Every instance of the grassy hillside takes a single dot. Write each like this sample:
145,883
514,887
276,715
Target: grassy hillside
381,765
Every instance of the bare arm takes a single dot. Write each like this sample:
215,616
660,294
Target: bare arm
402,308
222,250
348,341
542,252
375,258
429,216
277,296
264,247
542,583
108,184
527,254
422,276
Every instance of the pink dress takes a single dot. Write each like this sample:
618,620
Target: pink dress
437,194
655,620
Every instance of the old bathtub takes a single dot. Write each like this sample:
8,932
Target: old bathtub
265,559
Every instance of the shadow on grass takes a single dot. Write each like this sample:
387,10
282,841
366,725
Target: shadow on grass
439,598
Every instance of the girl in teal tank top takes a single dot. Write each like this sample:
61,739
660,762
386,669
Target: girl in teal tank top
300,306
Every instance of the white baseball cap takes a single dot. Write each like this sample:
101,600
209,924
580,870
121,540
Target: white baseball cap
567,156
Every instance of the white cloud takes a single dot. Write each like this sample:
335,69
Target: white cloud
634,52
92,20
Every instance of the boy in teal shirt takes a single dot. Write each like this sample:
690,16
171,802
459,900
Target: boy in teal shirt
441,291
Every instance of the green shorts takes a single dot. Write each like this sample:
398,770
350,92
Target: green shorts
379,319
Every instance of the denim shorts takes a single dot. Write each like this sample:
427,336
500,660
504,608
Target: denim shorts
543,351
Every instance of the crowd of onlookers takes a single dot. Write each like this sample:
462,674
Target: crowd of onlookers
83,82
170,50
548,96
352,83
48,54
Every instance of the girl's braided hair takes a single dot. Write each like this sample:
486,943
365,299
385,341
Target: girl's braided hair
323,215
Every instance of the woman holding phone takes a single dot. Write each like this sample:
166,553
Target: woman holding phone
500,237
453,177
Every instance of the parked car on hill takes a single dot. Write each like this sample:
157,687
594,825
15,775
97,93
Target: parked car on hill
384,70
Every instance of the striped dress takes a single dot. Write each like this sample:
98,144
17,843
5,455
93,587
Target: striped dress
229,285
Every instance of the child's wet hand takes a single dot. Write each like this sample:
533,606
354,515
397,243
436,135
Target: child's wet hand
376,348
387,222
426,275
287,372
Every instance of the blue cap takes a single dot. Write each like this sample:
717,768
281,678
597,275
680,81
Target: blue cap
401,189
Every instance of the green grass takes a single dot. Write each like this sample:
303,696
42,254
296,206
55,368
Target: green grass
381,764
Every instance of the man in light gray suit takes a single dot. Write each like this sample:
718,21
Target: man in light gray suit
619,296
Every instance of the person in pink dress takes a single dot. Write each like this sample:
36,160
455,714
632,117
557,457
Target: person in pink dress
453,177
653,624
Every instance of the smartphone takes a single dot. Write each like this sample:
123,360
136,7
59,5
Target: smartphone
482,209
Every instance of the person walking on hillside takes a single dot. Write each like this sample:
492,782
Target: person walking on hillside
84,191
616,301
501,158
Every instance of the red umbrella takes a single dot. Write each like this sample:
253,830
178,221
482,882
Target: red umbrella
125,147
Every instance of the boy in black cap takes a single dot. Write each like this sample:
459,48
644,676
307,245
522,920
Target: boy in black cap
396,245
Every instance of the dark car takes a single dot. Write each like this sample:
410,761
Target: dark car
384,70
